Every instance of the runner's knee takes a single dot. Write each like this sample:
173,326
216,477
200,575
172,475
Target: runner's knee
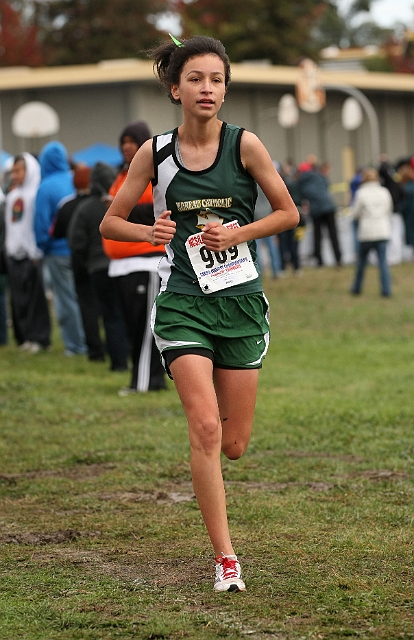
205,435
234,450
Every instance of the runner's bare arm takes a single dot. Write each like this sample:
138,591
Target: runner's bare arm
115,225
258,163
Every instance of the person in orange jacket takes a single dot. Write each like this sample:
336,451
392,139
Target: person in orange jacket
134,266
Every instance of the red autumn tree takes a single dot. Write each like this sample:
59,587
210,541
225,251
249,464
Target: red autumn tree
19,42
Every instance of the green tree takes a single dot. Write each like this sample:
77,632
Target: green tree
342,30
255,29
330,29
19,40
87,31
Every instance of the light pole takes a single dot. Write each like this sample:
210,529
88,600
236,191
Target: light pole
370,112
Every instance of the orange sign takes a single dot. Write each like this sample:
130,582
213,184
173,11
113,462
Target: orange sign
310,93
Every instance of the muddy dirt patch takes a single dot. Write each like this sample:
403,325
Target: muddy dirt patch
135,570
380,475
329,456
79,472
185,493
276,487
41,537
160,497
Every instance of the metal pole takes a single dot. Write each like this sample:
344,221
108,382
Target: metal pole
370,112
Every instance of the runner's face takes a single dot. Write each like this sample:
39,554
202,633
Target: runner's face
129,148
202,85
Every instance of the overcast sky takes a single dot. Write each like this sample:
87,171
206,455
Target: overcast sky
387,12
384,12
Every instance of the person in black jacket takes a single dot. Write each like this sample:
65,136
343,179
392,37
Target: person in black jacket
134,268
3,297
314,187
85,242
88,303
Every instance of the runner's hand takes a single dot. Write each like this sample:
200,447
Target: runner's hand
216,237
163,230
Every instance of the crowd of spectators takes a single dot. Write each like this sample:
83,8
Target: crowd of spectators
375,194
52,253
51,249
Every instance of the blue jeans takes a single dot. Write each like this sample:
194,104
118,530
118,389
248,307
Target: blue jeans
66,303
271,245
380,246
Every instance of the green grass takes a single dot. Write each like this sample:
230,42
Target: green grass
100,536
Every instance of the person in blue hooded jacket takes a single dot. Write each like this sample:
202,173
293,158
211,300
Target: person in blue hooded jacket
56,185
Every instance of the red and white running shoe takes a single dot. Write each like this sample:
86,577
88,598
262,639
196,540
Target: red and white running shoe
228,574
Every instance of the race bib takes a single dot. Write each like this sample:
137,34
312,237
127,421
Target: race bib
222,269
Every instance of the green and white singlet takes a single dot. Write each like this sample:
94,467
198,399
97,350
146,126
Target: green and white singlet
224,192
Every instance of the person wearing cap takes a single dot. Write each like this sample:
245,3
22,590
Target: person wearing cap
134,265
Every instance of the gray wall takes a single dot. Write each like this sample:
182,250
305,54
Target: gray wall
98,113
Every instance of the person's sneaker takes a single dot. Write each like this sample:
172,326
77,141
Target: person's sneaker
68,353
26,346
36,347
126,391
228,574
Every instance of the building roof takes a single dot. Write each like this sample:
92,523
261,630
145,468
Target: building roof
134,70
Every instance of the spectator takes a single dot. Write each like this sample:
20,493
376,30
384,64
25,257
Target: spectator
30,312
56,184
314,187
3,286
86,244
134,265
81,182
289,240
354,185
406,204
270,243
388,175
373,209
88,303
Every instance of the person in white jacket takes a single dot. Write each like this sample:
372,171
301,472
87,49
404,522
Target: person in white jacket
372,209
30,312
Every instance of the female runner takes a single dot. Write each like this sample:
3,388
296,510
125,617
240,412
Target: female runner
210,320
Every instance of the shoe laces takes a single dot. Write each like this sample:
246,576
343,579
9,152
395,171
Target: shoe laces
228,567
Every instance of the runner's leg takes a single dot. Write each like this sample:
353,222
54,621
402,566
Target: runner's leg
236,391
193,378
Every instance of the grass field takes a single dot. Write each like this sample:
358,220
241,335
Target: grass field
100,534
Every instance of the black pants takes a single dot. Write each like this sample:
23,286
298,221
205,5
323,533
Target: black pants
289,249
107,293
137,292
89,309
30,311
328,220
3,309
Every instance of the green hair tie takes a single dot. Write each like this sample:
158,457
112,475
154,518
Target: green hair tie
176,42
